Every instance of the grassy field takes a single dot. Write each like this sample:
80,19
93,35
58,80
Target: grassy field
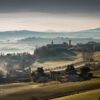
97,56
25,91
96,73
93,94
58,63
62,91
89,95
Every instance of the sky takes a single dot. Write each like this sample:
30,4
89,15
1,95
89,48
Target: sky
49,15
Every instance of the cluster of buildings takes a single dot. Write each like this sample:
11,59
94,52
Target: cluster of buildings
53,49
90,46
87,50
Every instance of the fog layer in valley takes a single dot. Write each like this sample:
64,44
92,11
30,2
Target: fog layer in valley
27,41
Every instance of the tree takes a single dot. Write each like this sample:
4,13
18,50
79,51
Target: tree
85,73
1,73
71,69
40,71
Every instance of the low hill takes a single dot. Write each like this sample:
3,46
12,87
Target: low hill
54,52
43,41
91,33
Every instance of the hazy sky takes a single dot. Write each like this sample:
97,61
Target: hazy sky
49,15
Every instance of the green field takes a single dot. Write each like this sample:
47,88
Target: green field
83,90
25,91
89,95
93,94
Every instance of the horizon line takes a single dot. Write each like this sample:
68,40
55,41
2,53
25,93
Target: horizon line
51,30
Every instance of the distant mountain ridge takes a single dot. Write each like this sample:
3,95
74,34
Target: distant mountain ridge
91,33
93,30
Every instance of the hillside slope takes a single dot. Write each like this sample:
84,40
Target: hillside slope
89,95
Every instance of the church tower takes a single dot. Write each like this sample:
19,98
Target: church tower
52,43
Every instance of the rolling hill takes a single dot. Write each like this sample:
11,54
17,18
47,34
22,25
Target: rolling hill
91,33
27,41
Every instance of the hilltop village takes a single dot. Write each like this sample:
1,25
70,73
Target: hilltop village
65,73
55,50
67,50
